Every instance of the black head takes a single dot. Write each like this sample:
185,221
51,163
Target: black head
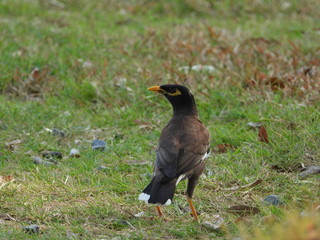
179,96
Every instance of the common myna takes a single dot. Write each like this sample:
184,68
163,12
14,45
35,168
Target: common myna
183,146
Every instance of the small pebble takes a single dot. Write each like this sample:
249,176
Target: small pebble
33,228
310,171
98,145
254,124
102,168
71,235
140,214
274,200
74,153
209,172
38,160
216,223
57,132
49,154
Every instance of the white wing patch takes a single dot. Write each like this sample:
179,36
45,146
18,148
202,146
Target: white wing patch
145,197
180,178
205,156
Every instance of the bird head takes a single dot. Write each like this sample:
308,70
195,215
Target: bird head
179,96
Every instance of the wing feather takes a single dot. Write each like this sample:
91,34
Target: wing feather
181,148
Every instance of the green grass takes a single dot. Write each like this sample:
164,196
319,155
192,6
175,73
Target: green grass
96,60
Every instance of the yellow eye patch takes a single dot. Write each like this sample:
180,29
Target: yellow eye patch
176,93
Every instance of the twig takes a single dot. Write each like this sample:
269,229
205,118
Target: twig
255,183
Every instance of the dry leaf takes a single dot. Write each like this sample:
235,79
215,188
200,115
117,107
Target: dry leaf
243,210
7,217
222,148
275,83
213,33
291,126
249,82
244,220
13,144
263,135
142,124
292,168
5,179
35,74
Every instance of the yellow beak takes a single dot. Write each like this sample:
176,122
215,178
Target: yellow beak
155,88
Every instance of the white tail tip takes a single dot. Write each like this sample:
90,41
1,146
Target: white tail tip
145,197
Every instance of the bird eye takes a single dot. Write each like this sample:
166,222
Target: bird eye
172,90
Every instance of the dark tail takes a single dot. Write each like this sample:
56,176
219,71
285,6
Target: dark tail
158,192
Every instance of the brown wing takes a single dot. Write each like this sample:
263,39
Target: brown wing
183,144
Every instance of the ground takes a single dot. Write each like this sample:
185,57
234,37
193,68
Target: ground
84,67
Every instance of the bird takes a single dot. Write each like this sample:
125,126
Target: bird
183,145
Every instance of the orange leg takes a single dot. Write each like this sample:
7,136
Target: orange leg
159,211
194,212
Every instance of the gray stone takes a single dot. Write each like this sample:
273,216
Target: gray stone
98,145
57,132
274,200
38,160
209,172
33,228
216,223
74,153
49,154
254,124
102,168
310,171
71,235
